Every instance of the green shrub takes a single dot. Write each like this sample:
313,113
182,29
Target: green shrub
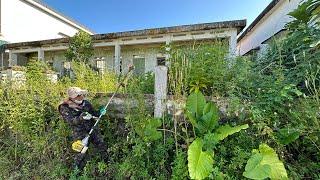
34,139
201,66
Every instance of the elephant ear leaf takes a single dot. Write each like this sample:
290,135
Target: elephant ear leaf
210,118
191,118
225,131
199,162
287,135
255,170
195,104
265,164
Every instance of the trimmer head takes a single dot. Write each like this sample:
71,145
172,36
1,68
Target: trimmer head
77,146
81,146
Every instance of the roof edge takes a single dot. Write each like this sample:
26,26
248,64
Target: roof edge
238,24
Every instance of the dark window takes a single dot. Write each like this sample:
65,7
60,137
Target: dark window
139,65
161,61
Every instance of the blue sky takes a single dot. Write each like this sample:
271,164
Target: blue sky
103,16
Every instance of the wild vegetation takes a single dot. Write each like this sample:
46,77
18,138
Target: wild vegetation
270,128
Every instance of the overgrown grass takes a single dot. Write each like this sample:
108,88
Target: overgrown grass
277,94
34,139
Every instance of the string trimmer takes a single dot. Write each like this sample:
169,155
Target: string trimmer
81,146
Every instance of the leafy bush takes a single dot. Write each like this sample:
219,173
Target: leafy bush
276,94
80,47
145,83
198,67
204,118
34,139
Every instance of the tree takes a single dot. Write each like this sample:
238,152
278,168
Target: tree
80,47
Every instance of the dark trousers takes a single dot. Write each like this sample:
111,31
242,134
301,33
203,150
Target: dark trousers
100,147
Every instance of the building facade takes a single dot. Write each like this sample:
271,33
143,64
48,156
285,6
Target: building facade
114,51
31,20
269,24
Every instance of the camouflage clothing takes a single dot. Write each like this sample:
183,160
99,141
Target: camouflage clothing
73,115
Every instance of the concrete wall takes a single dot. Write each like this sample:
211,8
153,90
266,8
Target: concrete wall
123,103
269,25
21,22
149,53
56,58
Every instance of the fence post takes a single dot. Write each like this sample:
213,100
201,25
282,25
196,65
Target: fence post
160,88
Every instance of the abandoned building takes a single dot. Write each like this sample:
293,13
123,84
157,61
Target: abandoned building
114,51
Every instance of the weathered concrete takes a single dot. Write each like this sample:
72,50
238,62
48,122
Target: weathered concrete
117,58
161,90
40,55
13,59
122,103
238,24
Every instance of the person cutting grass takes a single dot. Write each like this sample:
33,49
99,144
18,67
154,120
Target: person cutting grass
80,116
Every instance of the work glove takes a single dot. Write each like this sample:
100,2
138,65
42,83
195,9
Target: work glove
103,111
86,116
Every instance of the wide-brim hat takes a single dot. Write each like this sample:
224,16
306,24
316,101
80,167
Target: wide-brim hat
73,92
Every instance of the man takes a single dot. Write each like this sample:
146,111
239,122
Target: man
79,114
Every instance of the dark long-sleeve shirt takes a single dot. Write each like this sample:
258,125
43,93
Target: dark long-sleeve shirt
71,113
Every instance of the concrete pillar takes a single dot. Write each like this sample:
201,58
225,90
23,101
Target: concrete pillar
167,55
2,66
40,55
233,43
161,88
13,59
117,58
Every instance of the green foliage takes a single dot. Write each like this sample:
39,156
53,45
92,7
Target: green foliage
301,14
209,120
91,80
34,139
276,93
195,104
287,135
225,131
30,120
145,83
199,162
180,168
211,139
314,9
264,163
148,129
204,117
192,68
80,47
